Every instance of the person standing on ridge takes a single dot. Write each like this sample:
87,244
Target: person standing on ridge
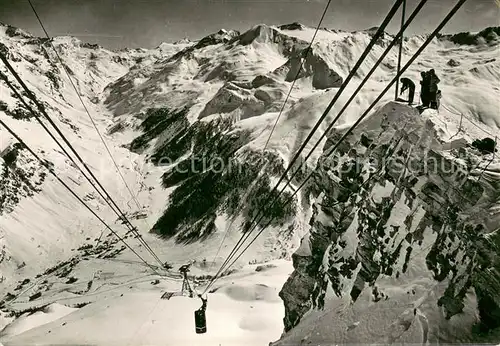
433,89
424,89
407,83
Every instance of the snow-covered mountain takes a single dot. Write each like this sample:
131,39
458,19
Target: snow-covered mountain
379,252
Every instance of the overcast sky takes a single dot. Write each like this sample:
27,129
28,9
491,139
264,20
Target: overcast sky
146,23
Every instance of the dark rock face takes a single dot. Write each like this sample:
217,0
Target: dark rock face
288,46
18,113
372,31
259,81
21,176
299,286
12,31
220,37
453,63
323,76
381,198
230,98
292,26
487,35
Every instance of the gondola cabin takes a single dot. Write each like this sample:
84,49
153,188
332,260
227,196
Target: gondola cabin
200,321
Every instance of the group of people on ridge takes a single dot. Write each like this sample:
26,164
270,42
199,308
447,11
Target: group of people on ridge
429,92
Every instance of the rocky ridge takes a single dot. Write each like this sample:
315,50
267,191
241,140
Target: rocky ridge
392,193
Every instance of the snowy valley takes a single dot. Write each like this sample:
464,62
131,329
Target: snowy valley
377,247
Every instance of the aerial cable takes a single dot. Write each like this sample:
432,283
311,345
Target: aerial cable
403,70
65,68
302,60
238,208
361,59
45,164
358,89
374,174
353,72
28,107
398,36
353,96
41,108
400,52
37,118
412,59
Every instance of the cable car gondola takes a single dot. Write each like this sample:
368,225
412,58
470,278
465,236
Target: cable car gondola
200,320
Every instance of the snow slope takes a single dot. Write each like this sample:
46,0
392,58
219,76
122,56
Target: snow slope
52,313
245,308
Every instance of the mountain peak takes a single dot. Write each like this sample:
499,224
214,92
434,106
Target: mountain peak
185,40
13,31
372,30
292,26
488,35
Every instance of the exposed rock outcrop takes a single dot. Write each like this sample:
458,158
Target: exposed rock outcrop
292,26
262,33
387,196
21,176
230,98
315,66
488,35
453,63
259,81
220,37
